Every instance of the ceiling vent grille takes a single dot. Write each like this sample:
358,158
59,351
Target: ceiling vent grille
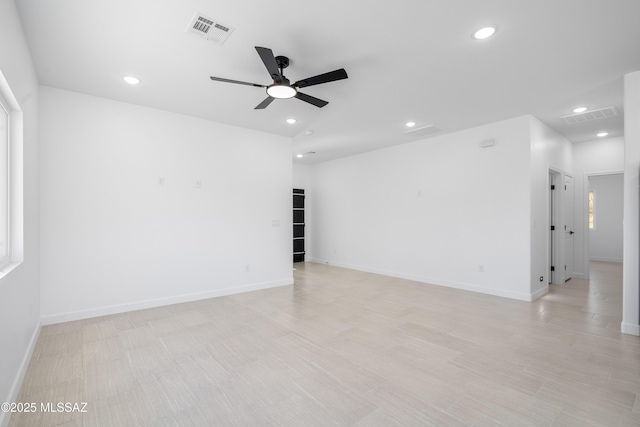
587,116
424,131
209,29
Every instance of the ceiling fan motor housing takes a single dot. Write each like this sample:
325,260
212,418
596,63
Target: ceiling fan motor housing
282,61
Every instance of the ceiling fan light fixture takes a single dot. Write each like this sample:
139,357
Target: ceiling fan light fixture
281,91
282,87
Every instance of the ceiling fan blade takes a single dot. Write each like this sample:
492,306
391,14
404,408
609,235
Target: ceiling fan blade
264,103
269,61
311,100
220,79
331,76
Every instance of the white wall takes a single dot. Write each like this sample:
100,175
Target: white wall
19,290
549,150
590,158
631,241
605,239
301,176
114,240
432,210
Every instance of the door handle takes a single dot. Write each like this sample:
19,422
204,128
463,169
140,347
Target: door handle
571,232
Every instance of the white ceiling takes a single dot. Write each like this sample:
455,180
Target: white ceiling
406,60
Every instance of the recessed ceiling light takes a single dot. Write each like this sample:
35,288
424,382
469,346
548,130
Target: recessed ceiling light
484,33
299,156
131,80
580,109
602,134
410,124
291,121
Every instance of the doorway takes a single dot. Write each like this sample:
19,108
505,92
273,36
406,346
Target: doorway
561,227
568,227
603,212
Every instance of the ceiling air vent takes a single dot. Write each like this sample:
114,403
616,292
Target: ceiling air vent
587,116
209,29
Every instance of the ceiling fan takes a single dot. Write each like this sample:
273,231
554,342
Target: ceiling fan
281,87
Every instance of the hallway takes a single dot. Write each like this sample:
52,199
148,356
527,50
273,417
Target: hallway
597,301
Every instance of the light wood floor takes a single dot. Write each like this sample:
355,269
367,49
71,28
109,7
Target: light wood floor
344,348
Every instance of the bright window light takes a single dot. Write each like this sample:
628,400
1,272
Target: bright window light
592,210
11,188
5,255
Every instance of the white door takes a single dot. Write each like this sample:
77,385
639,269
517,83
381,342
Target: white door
554,229
568,227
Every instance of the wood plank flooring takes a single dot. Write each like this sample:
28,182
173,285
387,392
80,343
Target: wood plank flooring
348,348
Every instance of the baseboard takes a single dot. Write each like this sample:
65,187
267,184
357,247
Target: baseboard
628,328
17,382
605,259
158,302
540,293
433,281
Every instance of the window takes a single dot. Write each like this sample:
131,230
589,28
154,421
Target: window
5,226
592,209
11,181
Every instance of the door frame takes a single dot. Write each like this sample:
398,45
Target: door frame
556,246
568,218
556,211
585,216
